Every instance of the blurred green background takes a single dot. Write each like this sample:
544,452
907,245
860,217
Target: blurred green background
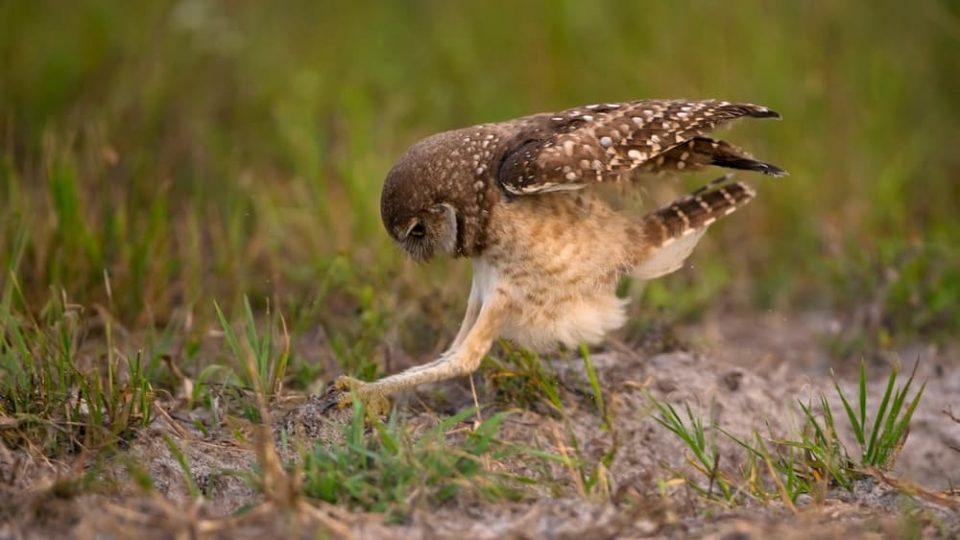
160,155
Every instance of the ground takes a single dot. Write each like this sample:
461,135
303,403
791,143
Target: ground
744,382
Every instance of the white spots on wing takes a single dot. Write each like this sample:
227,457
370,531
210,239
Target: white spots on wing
570,176
636,155
606,141
587,117
568,146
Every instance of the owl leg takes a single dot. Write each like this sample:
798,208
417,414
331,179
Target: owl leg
470,317
480,327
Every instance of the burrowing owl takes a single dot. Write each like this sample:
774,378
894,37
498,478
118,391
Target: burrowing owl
517,197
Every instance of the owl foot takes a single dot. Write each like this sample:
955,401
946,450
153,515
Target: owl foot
344,389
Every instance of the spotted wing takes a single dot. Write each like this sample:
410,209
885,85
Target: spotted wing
596,143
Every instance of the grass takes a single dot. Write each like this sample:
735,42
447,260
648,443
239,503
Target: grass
392,470
880,444
809,463
53,394
521,378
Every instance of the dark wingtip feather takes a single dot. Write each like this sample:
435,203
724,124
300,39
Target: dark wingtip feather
771,170
763,112
746,164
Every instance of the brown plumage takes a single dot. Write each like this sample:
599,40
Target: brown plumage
547,250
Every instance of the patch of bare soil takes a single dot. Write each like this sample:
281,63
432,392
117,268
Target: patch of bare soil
743,384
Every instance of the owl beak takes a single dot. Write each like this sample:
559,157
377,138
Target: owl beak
410,227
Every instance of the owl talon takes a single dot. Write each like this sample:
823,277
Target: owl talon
341,393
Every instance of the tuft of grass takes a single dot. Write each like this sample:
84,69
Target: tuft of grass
57,398
521,379
390,470
813,462
257,364
691,431
268,367
881,442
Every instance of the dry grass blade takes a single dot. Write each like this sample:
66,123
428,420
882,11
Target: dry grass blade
914,490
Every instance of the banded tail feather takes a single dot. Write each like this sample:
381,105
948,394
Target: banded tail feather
697,210
674,230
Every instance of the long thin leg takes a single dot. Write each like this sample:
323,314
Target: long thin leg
469,317
480,326
462,359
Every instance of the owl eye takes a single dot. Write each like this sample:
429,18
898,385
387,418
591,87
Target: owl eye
417,230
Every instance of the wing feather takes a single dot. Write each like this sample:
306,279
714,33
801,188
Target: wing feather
597,143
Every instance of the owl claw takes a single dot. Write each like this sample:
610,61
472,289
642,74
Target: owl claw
344,389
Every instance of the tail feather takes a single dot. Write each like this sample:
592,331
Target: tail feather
696,211
673,231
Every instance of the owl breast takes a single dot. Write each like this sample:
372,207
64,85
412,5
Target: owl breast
555,263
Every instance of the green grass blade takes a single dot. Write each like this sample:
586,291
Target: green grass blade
851,415
878,421
595,385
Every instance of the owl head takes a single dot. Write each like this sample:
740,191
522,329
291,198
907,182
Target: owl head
437,198
418,212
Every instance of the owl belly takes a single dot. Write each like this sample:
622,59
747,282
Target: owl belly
557,267
568,320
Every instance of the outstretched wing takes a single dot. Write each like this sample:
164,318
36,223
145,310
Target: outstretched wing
596,143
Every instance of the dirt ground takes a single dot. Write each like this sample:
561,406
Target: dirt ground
747,373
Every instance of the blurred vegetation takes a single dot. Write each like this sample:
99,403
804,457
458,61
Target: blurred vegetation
159,155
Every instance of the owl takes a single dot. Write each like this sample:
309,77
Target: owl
522,200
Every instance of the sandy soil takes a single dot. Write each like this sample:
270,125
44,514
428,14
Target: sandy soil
745,384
